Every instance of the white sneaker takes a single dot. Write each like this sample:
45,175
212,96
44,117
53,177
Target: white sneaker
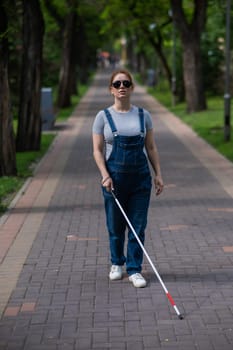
115,273
137,280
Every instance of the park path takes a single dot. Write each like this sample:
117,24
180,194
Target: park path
54,258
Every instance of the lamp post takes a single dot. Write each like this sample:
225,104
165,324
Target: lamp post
227,95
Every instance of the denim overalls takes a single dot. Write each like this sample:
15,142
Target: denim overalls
128,168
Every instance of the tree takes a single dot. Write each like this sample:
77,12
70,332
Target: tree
152,19
68,65
29,123
78,26
144,21
213,47
65,15
7,141
190,27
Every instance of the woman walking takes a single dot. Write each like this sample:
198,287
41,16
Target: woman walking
123,142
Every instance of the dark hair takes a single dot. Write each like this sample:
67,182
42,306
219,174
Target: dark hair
120,71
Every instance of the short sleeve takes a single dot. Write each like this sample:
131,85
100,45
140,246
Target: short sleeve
98,125
148,120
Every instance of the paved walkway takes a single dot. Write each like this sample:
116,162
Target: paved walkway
54,258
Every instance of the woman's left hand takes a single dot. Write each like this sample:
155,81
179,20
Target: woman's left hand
158,181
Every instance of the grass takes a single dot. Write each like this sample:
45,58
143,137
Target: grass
208,124
26,161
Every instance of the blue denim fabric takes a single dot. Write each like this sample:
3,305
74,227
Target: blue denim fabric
128,168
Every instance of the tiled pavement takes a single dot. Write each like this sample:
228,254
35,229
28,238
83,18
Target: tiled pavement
54,257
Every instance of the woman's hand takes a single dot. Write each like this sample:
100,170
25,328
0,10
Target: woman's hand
98,146
107,183
153,156
158,181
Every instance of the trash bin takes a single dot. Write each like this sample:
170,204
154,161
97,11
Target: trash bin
46,109
151,77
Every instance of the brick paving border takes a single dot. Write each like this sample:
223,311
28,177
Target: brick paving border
20,224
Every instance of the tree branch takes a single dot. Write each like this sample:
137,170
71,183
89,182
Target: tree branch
54,13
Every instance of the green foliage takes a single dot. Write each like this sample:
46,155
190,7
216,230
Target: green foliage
212,46
14,11
88,38
26,161
7,186
121,17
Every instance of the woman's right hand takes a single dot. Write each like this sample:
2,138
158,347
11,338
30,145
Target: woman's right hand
108,183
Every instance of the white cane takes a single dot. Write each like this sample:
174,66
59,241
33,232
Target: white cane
149,259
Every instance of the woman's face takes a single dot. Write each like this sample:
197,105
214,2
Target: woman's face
123,86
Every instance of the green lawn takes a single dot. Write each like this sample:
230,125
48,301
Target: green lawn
25,162
208,124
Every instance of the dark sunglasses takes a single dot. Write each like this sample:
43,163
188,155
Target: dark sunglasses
126,83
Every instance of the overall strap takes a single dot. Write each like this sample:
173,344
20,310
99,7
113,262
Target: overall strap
110,120
141,116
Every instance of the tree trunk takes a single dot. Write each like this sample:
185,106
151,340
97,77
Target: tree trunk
192,63
157,45
29,126
7,141
192,67
67,72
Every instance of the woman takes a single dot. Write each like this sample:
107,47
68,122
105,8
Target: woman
123,140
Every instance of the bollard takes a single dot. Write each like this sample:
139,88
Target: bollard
46,109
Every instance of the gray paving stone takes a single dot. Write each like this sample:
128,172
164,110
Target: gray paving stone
65,274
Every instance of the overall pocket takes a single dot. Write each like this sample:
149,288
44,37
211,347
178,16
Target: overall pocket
129,151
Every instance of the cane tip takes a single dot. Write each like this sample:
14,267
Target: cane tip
181,317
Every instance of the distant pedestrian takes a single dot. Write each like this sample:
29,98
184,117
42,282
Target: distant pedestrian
123,141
